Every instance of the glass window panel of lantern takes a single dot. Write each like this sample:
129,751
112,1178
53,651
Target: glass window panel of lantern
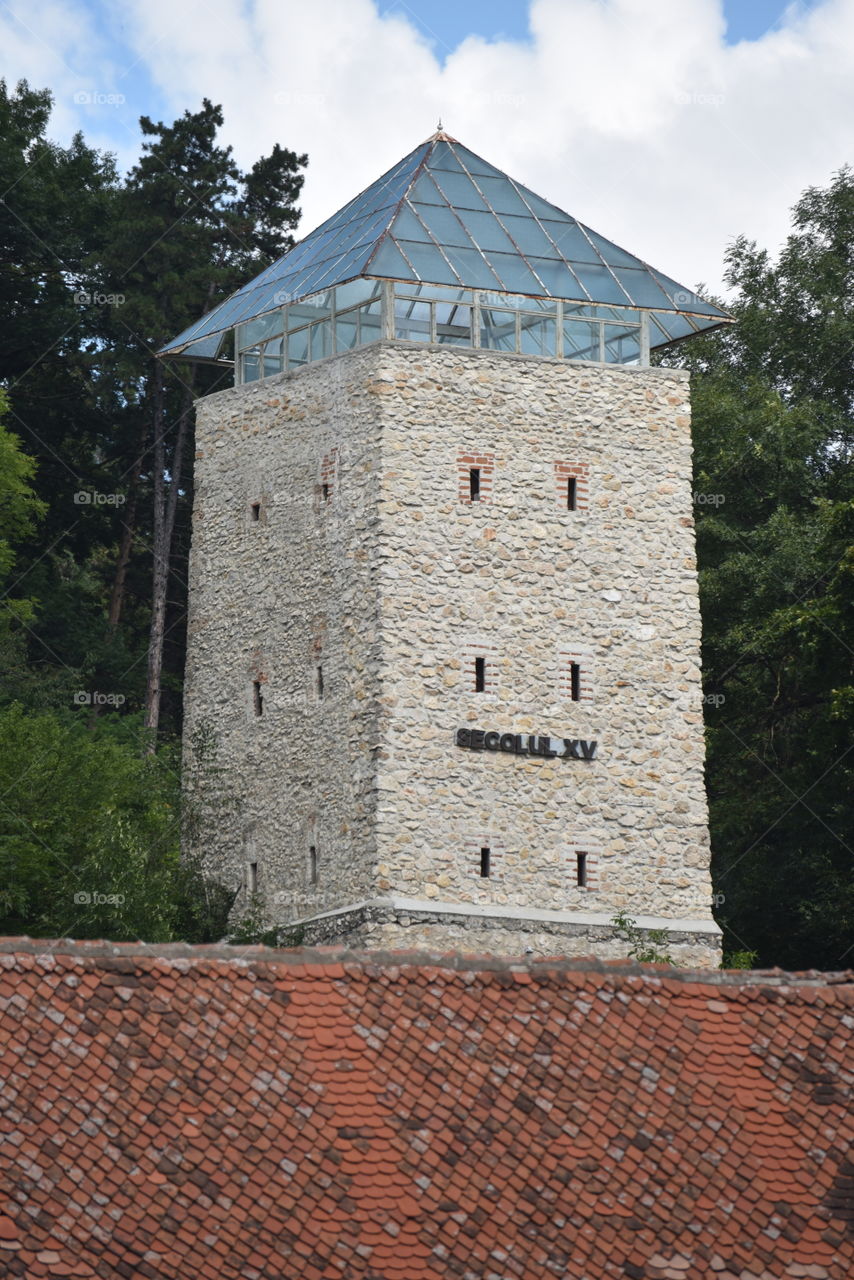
298,349
440,292
317,306
498,329
370,322
250,364
261,328
412,319
622,344
347,330
453,324
537,335
321,340
580,340
347,295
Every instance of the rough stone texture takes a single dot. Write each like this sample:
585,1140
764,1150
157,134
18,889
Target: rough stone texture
392,583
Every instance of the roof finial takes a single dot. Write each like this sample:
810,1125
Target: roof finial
440,135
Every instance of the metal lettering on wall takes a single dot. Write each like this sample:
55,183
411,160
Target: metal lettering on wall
527,744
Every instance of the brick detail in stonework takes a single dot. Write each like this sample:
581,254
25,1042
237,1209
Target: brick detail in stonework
473,846
583,660
578,471
328,477
485,464
590,853
469,654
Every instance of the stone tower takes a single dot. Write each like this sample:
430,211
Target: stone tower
443,681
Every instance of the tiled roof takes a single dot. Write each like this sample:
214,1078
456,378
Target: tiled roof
211,1114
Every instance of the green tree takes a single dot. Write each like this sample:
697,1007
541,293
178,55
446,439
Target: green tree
191,227
773,399
89,835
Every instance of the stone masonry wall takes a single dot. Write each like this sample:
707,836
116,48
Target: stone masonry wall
370,559
282,594
531,583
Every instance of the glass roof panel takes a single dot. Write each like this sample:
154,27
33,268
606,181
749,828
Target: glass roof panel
539,206
612,253
476,164
528,235
571,242
559,281
459,191
502,196
389,261
408,227
472,268
425,191
641,287
443,158
486,231
428,262
600,283
514,273
429,203
443,224
688,301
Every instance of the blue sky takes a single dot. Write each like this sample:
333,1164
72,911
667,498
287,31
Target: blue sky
670,126
448,22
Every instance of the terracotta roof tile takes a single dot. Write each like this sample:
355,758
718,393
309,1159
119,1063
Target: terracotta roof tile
241,1114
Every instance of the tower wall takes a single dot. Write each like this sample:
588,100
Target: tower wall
275,601
401,582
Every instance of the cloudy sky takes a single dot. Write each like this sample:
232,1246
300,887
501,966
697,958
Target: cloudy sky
670,126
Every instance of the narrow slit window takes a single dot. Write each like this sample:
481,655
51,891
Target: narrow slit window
581,870
474,484
485,862
320,682
255,511
575,681
257,698
252,878
479,675
572,494
312,864
325,492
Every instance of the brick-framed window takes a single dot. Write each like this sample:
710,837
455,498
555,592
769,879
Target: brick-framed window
572,486
328,478
479,659
475,476
483,857
575,674
582,866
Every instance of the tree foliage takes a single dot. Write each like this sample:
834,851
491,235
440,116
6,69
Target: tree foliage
773,399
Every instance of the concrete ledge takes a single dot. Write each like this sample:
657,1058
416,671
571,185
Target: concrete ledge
329,925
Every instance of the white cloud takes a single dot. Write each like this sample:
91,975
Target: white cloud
634,115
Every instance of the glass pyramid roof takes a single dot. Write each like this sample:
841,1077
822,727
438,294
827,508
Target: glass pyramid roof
444,216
